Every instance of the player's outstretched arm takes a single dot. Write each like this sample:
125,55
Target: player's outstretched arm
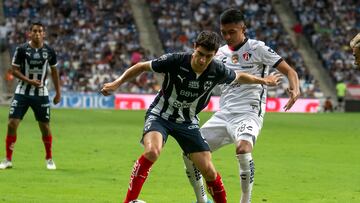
129,74
56,81
294,89
17,73
245,78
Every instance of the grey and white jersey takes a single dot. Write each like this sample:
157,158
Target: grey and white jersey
253,57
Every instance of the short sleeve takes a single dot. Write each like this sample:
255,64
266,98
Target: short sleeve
18,56
163,63
227,75
269,57
53,58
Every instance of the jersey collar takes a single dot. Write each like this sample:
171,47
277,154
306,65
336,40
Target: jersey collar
237,47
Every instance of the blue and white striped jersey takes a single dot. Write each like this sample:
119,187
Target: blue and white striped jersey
184,93
33,63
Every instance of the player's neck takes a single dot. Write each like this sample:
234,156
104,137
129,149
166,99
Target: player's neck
36,45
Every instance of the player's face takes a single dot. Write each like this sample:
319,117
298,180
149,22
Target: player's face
37,34
201,58
233,33
356,52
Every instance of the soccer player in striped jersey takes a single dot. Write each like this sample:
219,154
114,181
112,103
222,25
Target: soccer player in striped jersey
242,107
188,81
30,63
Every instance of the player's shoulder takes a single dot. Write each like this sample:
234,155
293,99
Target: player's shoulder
23,46
254,44
48,47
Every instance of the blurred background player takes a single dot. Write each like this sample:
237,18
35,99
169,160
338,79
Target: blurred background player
242,107
355,45
30,64
188,83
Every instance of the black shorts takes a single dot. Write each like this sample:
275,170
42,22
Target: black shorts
188,136
39,104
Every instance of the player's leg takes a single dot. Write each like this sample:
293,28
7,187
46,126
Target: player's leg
202,161
41,108
155,134
245,134
18,108
215,133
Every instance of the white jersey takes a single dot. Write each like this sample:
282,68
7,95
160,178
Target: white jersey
252,57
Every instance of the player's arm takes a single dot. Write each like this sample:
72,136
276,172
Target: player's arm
129,74
245,78
56,81
294,89
17,73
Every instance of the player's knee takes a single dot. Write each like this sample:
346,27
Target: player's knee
12,125
153,153
244,147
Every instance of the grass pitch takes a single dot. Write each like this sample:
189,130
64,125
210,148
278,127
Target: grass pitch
312,158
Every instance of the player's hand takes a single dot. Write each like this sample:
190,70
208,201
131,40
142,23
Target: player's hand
294,95
36,83
56,99
273,80
108,88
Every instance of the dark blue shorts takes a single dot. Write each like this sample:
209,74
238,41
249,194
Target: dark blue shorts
187,135
39,104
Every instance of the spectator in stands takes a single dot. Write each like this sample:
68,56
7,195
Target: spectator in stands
355,45
9,81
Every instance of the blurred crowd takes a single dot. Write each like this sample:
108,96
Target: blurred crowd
96,41
329,26
179,21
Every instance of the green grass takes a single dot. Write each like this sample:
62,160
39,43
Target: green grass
298,158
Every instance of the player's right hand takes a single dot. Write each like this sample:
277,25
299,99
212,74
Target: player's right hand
108,88
273,80
36,83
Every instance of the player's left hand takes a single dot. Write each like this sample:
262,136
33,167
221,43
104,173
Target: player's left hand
56,99
294,95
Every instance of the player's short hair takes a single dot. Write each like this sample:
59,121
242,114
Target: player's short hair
209,40
355,42
38,23
232,15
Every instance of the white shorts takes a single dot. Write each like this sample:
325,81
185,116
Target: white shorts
226,128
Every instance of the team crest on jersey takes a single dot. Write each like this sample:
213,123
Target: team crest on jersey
207,85
194,84
235,58
45,55
246,56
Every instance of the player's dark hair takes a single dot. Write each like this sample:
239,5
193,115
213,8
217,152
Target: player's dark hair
232,15
209,40
36,23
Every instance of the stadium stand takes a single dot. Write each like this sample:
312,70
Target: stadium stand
179,21
329,26
95,40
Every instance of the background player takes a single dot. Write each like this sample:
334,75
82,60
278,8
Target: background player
30,64
242,107
186,90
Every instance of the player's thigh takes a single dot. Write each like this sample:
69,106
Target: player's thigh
41,107
19,106
215,132
155,126
189,138
245,127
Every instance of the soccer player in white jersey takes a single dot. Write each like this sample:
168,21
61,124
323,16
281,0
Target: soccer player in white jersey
188,81
30,63
242,107
355,45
